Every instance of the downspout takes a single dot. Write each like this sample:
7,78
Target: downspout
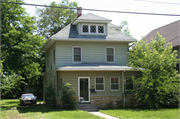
123,89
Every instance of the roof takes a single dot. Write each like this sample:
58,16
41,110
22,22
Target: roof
91,17
70,33
95,67
171,32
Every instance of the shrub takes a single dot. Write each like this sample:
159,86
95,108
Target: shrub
67,101
50,96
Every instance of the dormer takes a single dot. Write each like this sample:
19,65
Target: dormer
90,24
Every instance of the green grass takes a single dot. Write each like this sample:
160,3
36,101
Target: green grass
10,109
143,114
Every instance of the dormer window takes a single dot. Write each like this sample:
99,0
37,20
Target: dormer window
93,28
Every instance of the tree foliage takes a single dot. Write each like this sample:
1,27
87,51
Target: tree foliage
20,50
125,28
67,101
51,19
159,79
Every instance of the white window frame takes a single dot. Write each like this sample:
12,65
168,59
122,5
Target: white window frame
73,54
89,28
100,83
106,54
116,83
125,84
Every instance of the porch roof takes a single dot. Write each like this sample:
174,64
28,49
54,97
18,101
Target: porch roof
96,67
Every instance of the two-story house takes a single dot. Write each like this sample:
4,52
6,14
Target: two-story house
171,32
91,54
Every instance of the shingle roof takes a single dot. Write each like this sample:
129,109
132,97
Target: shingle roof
70,32
90,16
171,32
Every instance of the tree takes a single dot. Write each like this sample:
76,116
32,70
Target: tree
158,81
124,28
51,19
20,50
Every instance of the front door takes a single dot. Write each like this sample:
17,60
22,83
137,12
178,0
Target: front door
83,91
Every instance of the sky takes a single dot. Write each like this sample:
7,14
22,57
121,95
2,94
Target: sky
139,25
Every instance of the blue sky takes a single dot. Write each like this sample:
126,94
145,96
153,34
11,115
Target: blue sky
140,25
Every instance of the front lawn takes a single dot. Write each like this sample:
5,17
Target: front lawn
10,109
144,114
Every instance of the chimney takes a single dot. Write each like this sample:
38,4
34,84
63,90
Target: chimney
79,11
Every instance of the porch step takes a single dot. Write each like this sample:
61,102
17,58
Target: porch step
87,107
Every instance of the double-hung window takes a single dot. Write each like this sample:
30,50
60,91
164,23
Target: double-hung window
77,53
129,83
99,83
110,54
114,83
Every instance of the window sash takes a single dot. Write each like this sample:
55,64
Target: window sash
115,86
129,84
99,85
93,28
110,54
77,54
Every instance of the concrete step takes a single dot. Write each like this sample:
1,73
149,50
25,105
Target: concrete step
87,107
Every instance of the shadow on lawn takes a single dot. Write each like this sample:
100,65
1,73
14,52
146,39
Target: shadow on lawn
37,108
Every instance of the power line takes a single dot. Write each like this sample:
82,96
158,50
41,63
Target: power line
158,2
95,9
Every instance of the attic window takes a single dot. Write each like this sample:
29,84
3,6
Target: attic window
93,28
85,29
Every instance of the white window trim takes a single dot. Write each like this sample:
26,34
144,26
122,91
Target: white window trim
89,28
106,54
73,54
125,83
103,82
118,83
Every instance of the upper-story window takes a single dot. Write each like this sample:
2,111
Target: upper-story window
110,54
77,54
93,28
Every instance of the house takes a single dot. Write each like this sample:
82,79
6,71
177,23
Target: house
91,54
171,32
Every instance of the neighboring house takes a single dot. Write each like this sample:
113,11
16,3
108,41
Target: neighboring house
171,33
91,54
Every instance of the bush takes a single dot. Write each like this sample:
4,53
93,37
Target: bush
67,101
50,96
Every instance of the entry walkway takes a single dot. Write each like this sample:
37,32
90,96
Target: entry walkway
103,115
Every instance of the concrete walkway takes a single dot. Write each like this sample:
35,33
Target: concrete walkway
103,115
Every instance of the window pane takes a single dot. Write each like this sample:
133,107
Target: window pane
100,29
110,58
110,51
85,28
77,57
129,86
114,86
93,29
99,87
129,80
114,79
99,80
77,50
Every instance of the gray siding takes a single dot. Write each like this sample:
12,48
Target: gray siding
91,52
